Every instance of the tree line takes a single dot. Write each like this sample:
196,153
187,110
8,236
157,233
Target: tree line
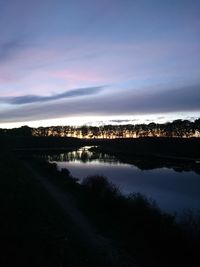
177,128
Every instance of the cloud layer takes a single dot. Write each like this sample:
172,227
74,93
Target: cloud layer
126,103
28,99
48,47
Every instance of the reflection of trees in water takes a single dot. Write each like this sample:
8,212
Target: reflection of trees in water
82,155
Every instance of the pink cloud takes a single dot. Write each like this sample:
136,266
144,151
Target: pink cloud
73,76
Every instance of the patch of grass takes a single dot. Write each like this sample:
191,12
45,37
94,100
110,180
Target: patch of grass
33,228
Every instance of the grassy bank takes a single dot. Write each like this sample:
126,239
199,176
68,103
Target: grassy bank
152,237
34,231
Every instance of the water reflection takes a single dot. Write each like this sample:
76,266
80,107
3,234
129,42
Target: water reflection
173,188
88,154
83,155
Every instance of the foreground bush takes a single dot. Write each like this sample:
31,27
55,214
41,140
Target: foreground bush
151,236
99,187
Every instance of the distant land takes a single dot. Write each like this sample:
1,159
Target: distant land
177,128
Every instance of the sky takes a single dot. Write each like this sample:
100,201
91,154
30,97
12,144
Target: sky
80,62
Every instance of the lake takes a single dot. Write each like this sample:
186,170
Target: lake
173,191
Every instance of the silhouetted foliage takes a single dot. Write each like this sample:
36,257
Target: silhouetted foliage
63,177
22,131
100,187
154,147
177,128
153,237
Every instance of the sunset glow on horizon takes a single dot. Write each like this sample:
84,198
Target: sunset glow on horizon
91,62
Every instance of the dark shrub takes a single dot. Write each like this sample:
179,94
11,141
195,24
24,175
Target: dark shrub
65,172
100,186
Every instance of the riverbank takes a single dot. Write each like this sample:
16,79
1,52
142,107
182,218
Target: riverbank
179,148
150,153
43,234
149,146
134,222
35,230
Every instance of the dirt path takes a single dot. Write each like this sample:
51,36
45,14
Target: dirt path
108,252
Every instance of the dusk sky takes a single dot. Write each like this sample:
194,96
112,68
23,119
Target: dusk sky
73,62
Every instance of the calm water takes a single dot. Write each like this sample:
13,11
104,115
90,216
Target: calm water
173,191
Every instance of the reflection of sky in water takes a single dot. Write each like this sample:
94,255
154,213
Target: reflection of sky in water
173,191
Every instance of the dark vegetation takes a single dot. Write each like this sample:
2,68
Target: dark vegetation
177,128
152,237
149,153
61,178
35,232
153,147
126,148
31,143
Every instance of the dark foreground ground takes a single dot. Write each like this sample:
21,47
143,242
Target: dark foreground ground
34,229
38,230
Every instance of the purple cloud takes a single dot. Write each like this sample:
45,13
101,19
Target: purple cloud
28,99
127,103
